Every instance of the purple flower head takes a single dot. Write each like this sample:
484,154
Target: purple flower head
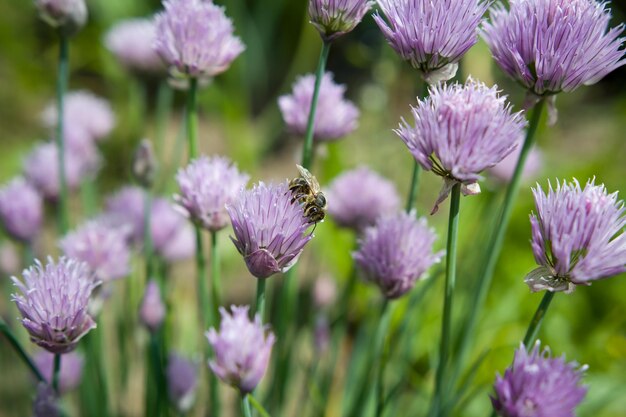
503,171
21,210
335,116
460,130
431,35
195,38
45,404
538,385
577,236
206,186
152,309
242,349
270,231
71,368
102,247
68,15
53,303
182,381
172,235
358,197
550,46
333,18
126,208
396,252
132,43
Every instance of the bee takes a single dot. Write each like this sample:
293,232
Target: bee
306,191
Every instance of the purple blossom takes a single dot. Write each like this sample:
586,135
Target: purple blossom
69,15
132,41
102,247
333,18
195,38
206,186
335,116
173,237
270,231
45,403
460,130
21,210
242,349
182,381
577,236
431,35
396,252
358,197
53,303
152,309
538,385
550,46
71,368
126,208
503,171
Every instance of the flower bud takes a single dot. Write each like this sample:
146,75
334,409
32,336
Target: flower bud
68,15
145,164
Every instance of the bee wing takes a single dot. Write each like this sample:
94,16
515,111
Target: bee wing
313,184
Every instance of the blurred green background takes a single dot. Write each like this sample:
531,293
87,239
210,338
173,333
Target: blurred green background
240,118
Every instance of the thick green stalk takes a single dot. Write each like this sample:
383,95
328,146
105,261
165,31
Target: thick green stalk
260,298
415,179
245,406
257,406
535,324
6,331
203,291
307,151
216,284
497,240
446,323
62,80
55,372
159,374
191,113
147,234
379,360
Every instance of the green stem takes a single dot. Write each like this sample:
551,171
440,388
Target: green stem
55,372
62,81
88,194
446,323
379,359
245,405
257,405
147,234
415,178
535,324
216,285
192,118
497,240
6,331
260,298
307,151
203,292
158,373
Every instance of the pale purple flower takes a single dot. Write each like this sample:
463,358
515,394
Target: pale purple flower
335,116
173,237
69,15
577,236
195,38
132,43
71,371
206,186
358,197
83,110
537,385
461,130
45,403
431,35
53,303
102,247
182,381
152,309
21,210
503,171
333,18
396,252
126,208
550,46
270,231
242,349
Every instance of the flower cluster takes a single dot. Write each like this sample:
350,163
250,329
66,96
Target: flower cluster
333,18
21,210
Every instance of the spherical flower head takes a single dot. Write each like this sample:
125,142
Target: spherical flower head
460,130
550,46
206,186
358,197
242,349
335,117
333,18
431,35
152,309
53,303
396,252
126,208
71,371
270,230
85,111
68,15
102,247
538,385
504,170
46,402
173,237
195,38
182,381
21,210
577,236
132,43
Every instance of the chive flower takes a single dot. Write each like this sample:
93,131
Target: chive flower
173,238
152,310
126,208
67,15
182,382
46,402
21,210
131,41
333,18
577,236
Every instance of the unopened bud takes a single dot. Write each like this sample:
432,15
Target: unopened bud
67,15
152,310
145,164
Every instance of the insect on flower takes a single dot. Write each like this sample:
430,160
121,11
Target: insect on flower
306,191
